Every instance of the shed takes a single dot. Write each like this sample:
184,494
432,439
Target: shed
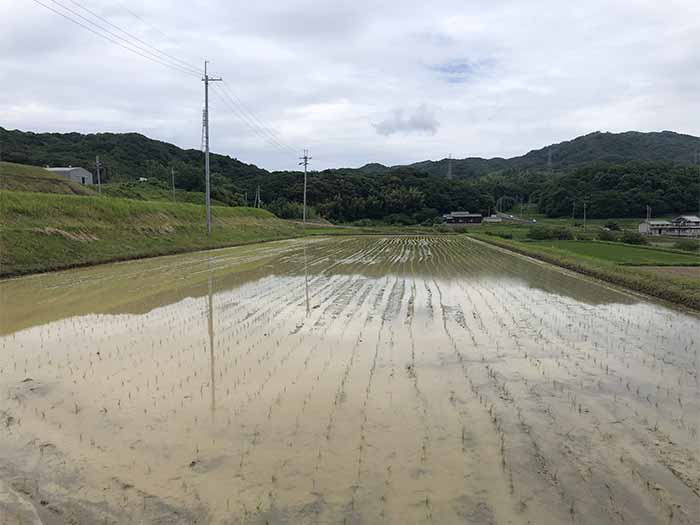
79,175
462,217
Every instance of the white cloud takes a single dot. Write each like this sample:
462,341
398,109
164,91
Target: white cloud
507,76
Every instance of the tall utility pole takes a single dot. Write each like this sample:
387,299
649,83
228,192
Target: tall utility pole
206,81
585,205
172,178
97,170
305,161
449,167
648,213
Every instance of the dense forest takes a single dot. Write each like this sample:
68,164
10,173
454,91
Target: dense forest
616,175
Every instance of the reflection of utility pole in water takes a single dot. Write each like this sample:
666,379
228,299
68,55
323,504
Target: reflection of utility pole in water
306,281
210,322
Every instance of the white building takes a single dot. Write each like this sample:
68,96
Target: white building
79,175
683,226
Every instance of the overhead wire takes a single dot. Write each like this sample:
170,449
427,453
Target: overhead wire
121,42
130,35
266,129
152,53
245,120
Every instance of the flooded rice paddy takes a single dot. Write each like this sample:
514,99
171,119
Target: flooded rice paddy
352,380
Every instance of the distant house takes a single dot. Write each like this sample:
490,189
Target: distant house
462,217
682,226
79,175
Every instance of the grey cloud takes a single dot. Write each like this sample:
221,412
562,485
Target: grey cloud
318,73
421,119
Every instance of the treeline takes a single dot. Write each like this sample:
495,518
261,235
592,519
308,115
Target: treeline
400,196
622,190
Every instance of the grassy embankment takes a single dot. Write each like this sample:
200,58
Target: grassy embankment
18,177
634,267
46,231
40,231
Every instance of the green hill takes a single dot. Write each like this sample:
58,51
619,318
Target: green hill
18,177
617,148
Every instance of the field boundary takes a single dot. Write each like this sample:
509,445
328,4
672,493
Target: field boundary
645,285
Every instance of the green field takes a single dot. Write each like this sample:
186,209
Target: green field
624,253
616,263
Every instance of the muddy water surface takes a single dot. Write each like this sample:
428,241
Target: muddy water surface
359,380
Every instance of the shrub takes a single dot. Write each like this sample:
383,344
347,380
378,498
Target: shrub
687,245
505,235
607,236
629,237
613,226
541,233
442,228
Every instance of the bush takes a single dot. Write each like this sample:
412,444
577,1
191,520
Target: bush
607,236
541,233
442,228
613,226
687,245
629,237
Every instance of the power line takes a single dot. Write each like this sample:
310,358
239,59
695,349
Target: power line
255,128
117,42
255,123
131,44
269,130
174,58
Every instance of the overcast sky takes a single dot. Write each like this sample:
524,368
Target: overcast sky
357,81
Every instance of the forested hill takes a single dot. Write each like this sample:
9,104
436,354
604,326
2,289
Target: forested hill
616,174
664,146
125,156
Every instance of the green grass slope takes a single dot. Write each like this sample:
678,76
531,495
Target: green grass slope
18,177
153,191
41,232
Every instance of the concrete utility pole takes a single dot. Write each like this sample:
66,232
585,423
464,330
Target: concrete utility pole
585,206
172,178
648,213
206,81
305,161
97,170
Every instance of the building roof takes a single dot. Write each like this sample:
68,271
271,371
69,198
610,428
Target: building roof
462,214
688,218
69,168
658,223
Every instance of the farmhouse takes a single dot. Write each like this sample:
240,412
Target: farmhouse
79,175
683,226
462,217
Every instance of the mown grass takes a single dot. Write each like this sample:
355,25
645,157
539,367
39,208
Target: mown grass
41,232
624,253
674,288
18,177
150,191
